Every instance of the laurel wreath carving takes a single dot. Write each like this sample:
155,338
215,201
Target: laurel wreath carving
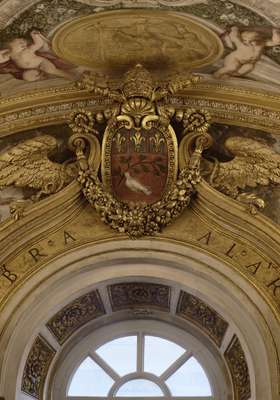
140,219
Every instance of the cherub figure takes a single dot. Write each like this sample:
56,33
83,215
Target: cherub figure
34,61
249,47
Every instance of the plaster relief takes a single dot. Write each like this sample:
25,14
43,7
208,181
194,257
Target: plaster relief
137,294
250,159
36,367
75,315
196,311
239,369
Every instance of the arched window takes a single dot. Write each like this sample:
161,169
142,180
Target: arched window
140,366
119,361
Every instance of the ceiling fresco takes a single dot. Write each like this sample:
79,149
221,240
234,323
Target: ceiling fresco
155,39
251,41
49,44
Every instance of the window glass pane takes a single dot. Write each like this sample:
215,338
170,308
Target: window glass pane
139,388
160,354
90,380
120,354
189,380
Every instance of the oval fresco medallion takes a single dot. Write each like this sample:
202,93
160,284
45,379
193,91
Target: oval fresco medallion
113,42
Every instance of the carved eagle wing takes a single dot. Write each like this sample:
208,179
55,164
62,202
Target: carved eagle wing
27,165
255,163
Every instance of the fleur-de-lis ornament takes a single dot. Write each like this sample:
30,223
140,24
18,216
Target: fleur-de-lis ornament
137,139
119,140
157,141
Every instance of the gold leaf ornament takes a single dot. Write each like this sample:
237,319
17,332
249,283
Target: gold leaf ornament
138,109
82,121
135,219
196,121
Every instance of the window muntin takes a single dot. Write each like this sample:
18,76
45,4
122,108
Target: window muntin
90,380
139,388
189,380
169,352
141,366
120,354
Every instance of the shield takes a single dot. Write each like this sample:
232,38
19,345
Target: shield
139,165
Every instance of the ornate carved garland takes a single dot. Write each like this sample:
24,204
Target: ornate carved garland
136,220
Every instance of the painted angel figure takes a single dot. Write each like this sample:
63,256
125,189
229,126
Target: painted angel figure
248,47
33,61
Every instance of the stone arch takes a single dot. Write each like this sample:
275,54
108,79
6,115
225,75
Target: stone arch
76,272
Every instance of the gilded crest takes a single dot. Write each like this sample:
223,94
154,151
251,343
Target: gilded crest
139,150
140,190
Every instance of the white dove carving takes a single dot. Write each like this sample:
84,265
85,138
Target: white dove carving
135,186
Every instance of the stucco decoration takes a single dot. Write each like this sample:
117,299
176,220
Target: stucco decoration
75,315
141,298
215,224
199,313
36,367
220,154
138,294
239,369
51,140
12,197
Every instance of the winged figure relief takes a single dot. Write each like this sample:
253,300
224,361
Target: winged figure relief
27,165
254,163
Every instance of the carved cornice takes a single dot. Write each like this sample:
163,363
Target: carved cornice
253,108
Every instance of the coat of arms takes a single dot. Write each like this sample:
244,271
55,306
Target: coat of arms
130,173
135,171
